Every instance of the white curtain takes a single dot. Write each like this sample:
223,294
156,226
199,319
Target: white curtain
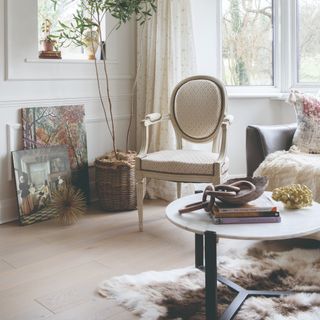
166,55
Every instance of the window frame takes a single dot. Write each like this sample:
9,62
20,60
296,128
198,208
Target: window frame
24,65
309,86
285,53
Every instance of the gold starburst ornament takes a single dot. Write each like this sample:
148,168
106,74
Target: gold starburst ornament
68,204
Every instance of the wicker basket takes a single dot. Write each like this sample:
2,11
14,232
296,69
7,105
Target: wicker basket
116,186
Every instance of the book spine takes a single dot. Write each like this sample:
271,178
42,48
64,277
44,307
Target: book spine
247,220
232,210
246,214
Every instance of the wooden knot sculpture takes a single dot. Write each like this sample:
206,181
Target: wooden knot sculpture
233,192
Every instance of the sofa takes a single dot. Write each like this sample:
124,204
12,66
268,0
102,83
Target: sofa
263,140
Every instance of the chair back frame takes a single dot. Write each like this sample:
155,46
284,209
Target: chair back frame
181,132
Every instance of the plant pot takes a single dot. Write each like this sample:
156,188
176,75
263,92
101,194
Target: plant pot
91,40
48,45
115,183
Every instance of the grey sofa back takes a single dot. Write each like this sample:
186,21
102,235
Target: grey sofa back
262,140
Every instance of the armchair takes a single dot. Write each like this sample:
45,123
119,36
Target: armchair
197,112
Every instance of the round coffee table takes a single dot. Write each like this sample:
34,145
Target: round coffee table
294,223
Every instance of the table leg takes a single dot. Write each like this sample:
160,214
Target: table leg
198,250
211,275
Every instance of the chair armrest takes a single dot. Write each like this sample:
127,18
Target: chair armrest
262,140
227,121
150,119
153,118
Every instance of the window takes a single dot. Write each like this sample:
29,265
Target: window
48,24
247,42
268,46
308,41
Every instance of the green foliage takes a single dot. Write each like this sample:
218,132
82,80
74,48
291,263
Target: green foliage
88,20
90,14
247,29
235,16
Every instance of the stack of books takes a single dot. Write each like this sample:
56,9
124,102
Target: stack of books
261,210
50,54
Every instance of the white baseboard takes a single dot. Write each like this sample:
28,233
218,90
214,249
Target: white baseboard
8,210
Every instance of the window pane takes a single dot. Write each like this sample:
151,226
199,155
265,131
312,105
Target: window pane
247,42
308,21
63,12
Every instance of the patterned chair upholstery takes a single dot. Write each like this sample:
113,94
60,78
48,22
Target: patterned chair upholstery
198,114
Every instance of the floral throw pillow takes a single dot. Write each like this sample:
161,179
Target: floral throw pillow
307,135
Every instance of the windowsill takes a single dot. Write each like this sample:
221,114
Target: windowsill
68,61
276,96
266,95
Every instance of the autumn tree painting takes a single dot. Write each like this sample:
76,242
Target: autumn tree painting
50,126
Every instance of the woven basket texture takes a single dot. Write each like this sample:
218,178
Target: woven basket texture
116,186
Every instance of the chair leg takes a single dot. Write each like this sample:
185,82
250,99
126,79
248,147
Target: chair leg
179,185
140,195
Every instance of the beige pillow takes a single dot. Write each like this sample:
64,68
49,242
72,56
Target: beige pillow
307,135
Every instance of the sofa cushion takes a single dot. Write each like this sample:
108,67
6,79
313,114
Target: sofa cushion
283,168
307,135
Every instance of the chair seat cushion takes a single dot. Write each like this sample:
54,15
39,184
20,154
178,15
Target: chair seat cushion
188,162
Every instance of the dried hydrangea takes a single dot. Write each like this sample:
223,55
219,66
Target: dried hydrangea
293,196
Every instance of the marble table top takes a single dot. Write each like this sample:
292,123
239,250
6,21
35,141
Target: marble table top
294,223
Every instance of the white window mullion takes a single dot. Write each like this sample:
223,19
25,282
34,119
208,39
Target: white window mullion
277,52
293,45
218,39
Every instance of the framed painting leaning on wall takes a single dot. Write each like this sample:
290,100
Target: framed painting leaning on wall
39,172
64,125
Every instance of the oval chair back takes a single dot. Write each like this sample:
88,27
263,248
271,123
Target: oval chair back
197,108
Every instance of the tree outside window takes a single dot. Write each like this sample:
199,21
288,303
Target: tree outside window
247,42
308,26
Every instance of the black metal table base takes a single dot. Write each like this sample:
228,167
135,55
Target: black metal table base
211,278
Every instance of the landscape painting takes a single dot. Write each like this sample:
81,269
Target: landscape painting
64,125
39,172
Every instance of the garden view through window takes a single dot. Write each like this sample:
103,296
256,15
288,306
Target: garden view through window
48,24
308,22
247,42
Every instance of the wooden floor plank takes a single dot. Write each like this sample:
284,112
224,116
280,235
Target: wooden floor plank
52,272
5,266
31,310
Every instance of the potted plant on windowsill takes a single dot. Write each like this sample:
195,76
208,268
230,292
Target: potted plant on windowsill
115,172
50,47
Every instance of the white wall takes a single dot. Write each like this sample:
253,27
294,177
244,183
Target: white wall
20,87
246,111
33,83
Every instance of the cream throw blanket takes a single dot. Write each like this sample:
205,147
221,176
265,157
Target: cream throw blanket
286,167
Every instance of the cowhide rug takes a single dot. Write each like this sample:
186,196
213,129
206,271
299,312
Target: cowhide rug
179,294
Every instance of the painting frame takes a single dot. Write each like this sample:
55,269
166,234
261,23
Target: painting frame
60,125
38,173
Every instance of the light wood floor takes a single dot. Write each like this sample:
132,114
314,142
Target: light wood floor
51,272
